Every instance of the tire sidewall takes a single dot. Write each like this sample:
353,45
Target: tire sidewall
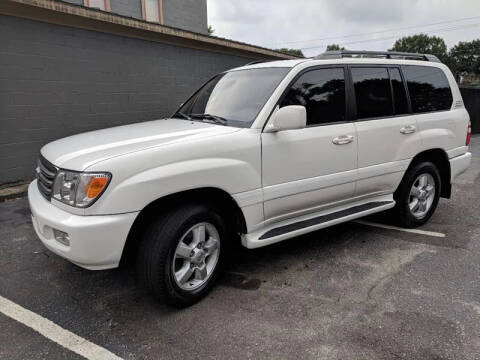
198,214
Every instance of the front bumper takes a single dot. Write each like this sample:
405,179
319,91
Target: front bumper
96,242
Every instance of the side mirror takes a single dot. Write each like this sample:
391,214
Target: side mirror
288,118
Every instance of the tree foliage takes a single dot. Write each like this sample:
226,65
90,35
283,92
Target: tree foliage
334,47
465,57
211,30
462,59
422,43
294,52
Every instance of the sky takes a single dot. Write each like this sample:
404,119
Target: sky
310,25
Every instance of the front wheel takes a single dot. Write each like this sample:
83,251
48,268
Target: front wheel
418,194
182,254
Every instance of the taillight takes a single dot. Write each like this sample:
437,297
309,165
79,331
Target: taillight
469,134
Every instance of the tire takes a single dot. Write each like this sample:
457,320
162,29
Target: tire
426,203
161,258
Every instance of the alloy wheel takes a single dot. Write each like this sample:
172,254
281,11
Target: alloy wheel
422,195
196,256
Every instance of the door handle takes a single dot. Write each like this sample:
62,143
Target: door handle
343,139
408,129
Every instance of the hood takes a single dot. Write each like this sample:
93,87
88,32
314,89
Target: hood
80,151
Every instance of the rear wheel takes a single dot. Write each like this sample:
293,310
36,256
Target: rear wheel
182,254
418,194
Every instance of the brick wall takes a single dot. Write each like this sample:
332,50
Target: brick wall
57,81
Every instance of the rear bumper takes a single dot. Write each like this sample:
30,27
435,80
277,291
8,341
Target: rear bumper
459,164
96,242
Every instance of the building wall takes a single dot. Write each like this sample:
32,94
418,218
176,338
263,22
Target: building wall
57,81
76,2
186,14
183,14
131,8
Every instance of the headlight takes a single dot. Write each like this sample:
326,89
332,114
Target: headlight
79,189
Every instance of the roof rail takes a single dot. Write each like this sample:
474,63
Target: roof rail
338,54
257,62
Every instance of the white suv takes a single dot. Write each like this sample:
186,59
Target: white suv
258,154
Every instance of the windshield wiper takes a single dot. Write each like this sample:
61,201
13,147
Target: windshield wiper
183,115
210,118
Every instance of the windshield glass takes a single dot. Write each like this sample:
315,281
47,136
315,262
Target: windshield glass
234,98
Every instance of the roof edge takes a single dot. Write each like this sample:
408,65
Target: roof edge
66,14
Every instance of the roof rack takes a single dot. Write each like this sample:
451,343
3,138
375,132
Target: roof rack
338,54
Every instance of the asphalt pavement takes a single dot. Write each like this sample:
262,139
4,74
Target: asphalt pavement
353,291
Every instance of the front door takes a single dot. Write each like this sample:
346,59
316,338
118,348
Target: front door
308,169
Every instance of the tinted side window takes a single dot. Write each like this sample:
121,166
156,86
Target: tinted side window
322,92
372,92
428,87
399,94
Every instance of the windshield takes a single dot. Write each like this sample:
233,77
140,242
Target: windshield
233,98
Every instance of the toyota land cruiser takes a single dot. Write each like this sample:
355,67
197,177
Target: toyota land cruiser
259,154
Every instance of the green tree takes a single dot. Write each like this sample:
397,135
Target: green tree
465,57
294,52
422,43
334,47
211,30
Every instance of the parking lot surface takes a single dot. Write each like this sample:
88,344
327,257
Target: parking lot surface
353,291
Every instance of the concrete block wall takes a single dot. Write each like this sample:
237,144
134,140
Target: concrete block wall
57,81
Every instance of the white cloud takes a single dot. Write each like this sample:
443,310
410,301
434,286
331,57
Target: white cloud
378,11
292,23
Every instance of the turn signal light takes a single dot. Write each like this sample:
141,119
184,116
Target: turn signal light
95,186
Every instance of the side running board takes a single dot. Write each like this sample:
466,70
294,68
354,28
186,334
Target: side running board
306,225
321,219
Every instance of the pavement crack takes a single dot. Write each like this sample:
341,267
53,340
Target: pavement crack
376,284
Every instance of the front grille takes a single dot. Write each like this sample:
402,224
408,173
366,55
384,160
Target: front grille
46,173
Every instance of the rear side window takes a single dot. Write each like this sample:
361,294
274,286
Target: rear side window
428,88
322,92
399,93
372,92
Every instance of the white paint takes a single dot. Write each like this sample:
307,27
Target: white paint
390,227
252,240
96,242
54,332
281,175
151,11
294,179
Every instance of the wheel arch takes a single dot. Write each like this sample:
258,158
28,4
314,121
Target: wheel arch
440,158
212,196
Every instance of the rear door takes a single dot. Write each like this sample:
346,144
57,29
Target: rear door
432,101
386,129
306,169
